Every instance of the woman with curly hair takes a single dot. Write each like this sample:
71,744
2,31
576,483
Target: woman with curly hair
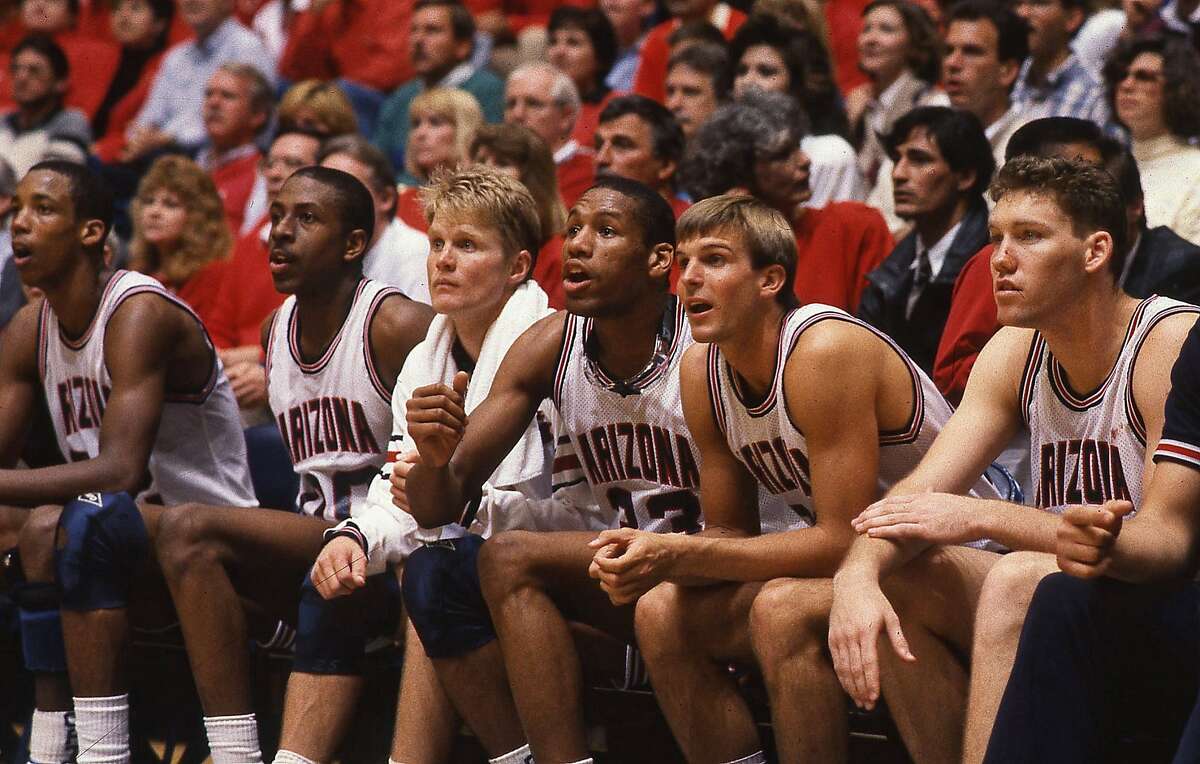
900,52
770,56
519,152
1154,90
180,234
443,122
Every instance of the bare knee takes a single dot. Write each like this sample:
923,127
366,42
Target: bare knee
37,541
660,622
1006,594
504,563
186,537
789,621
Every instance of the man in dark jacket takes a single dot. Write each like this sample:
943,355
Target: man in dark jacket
942,165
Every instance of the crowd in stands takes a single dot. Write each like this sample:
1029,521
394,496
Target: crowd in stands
873,127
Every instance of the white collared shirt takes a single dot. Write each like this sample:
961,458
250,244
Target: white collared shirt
937,253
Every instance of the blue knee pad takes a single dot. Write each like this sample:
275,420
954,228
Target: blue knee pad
104,540
41,627
332,635
444,599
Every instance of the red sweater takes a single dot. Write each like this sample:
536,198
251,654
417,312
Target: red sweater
361,40
971,323
844,18
576,175
93,63
247,295
547,271
235,182
651,77
109,145
200,291
839,244
409,209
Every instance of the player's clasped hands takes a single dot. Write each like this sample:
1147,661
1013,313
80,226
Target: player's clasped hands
939,518
437,418
860,610
341,567
1086,535
628,563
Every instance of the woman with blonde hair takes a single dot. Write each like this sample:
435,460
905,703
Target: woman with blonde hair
180,234
443,122
319,107
520,153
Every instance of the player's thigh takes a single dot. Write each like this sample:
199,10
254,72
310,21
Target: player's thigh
788,613
940,589
265,552
1009,585
557,564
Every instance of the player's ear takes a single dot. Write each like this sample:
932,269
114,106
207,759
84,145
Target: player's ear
91,233
520,267
356,245
662,259
772,280
1099,250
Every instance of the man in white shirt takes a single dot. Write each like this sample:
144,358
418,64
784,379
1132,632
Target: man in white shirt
397,252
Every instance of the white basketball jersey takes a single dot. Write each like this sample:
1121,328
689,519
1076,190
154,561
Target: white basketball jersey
199,452
335,414
1087,449
629,436
761,434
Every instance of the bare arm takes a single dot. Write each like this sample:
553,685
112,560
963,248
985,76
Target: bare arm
399,326
457,459
985,422
18,382
139,341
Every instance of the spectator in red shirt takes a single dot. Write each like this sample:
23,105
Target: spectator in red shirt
363,44
583,46
93,61
237,106
542,98
753,147
180,234
698,82
520,153
142,28
652,71
247,294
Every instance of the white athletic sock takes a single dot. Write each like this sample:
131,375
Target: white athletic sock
233,739
49,738
103,728
588,760
758,757
289,757
520,755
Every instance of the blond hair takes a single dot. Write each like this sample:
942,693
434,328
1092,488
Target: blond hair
206,236
331,106
458,106
483,195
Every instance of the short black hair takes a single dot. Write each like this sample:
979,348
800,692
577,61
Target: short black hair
462,23
653,214
1040,137
666,132
1012,31
362,150
356,206
91,199
960,139
695,32
290,129
47,47
593,23
710,60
